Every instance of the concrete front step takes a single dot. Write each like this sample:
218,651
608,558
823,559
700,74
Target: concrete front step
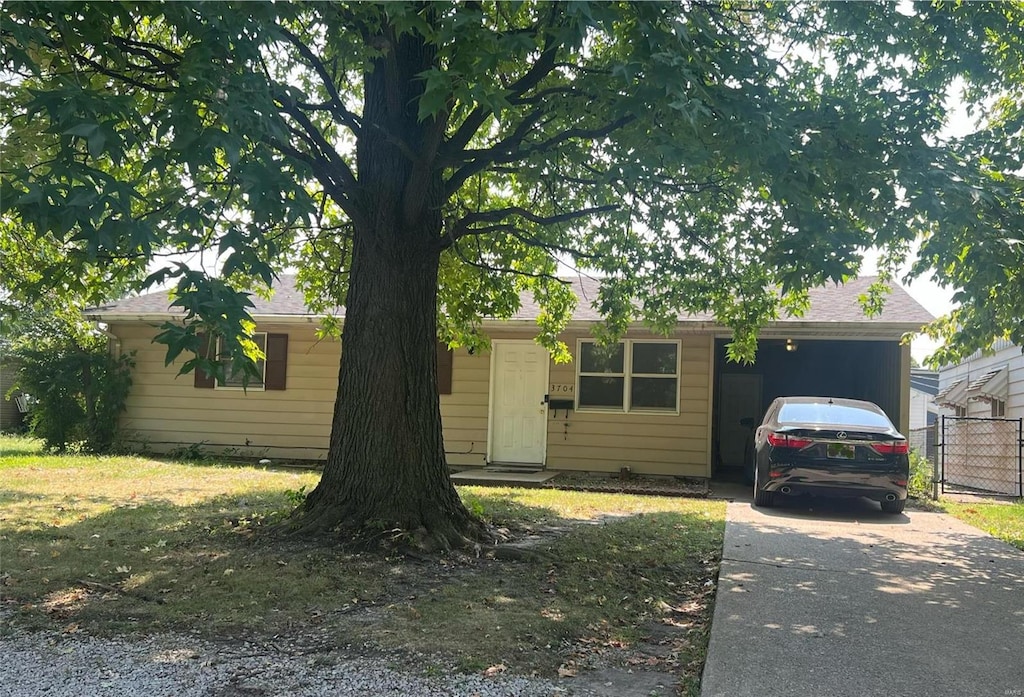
494,477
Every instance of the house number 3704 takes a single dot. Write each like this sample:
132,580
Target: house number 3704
562,389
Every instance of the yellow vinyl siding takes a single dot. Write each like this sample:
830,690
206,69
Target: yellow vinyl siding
165,410
647,443
464,411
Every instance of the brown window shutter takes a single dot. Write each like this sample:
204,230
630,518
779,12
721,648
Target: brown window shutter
276,373
445,359
200,378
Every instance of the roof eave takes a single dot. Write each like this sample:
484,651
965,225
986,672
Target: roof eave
780,329
112,317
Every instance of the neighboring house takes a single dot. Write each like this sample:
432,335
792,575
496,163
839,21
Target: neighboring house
985,385
667,405
924,412
984,454
924,385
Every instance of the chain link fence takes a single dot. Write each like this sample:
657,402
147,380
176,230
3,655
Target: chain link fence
924,478
925,441
981,455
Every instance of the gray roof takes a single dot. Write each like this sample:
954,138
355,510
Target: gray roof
829,304
287,300
926,381
833,303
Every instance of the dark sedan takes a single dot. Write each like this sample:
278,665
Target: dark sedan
831,447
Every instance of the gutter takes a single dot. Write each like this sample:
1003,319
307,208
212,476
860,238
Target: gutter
112,317
867,330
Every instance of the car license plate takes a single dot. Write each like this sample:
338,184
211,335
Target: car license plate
841,451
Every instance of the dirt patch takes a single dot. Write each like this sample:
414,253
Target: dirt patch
631,484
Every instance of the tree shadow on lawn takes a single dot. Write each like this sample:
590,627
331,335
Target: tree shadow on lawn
222,568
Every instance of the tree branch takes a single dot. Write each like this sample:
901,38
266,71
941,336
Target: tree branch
325,148
498,215
500,153
338,191
336,105
139,49
501,269
100,68
541,68
514,231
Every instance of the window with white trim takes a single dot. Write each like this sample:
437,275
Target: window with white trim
630,376
998,407
234,379
961,411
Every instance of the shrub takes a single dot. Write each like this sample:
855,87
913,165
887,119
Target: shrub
919,484
79,388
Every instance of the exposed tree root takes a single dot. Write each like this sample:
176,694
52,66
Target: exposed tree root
362,531
421,540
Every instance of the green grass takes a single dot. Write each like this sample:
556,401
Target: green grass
1002,520
128,544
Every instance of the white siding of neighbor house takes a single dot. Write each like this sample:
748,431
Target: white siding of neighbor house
977,365
919,402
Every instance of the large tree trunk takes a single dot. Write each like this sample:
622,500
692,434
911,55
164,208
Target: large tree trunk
386,468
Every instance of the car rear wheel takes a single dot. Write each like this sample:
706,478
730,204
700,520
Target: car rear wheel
763,499
893,507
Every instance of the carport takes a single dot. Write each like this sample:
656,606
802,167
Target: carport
853,368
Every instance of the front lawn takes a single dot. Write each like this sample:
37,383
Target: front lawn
129,544
1002,520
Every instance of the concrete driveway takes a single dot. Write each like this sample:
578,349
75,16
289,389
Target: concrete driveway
836,598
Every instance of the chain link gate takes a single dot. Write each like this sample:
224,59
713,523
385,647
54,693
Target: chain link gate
982,455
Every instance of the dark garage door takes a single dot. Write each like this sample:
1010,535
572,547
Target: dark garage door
856,369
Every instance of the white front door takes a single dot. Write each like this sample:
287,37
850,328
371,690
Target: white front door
519,380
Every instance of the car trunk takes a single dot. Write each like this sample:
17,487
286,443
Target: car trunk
830,448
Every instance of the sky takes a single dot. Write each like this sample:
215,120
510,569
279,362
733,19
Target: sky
936,300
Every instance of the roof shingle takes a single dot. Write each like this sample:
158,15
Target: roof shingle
838,304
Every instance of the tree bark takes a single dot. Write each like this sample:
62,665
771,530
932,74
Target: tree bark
386,471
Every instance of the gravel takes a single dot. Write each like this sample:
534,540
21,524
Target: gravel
51,664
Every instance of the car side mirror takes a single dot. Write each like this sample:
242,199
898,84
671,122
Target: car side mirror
747,421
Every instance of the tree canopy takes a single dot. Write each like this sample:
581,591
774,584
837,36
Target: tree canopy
697,156
666,146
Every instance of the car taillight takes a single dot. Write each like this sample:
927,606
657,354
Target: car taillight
895,447
781,440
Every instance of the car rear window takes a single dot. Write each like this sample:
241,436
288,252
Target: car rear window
832,414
